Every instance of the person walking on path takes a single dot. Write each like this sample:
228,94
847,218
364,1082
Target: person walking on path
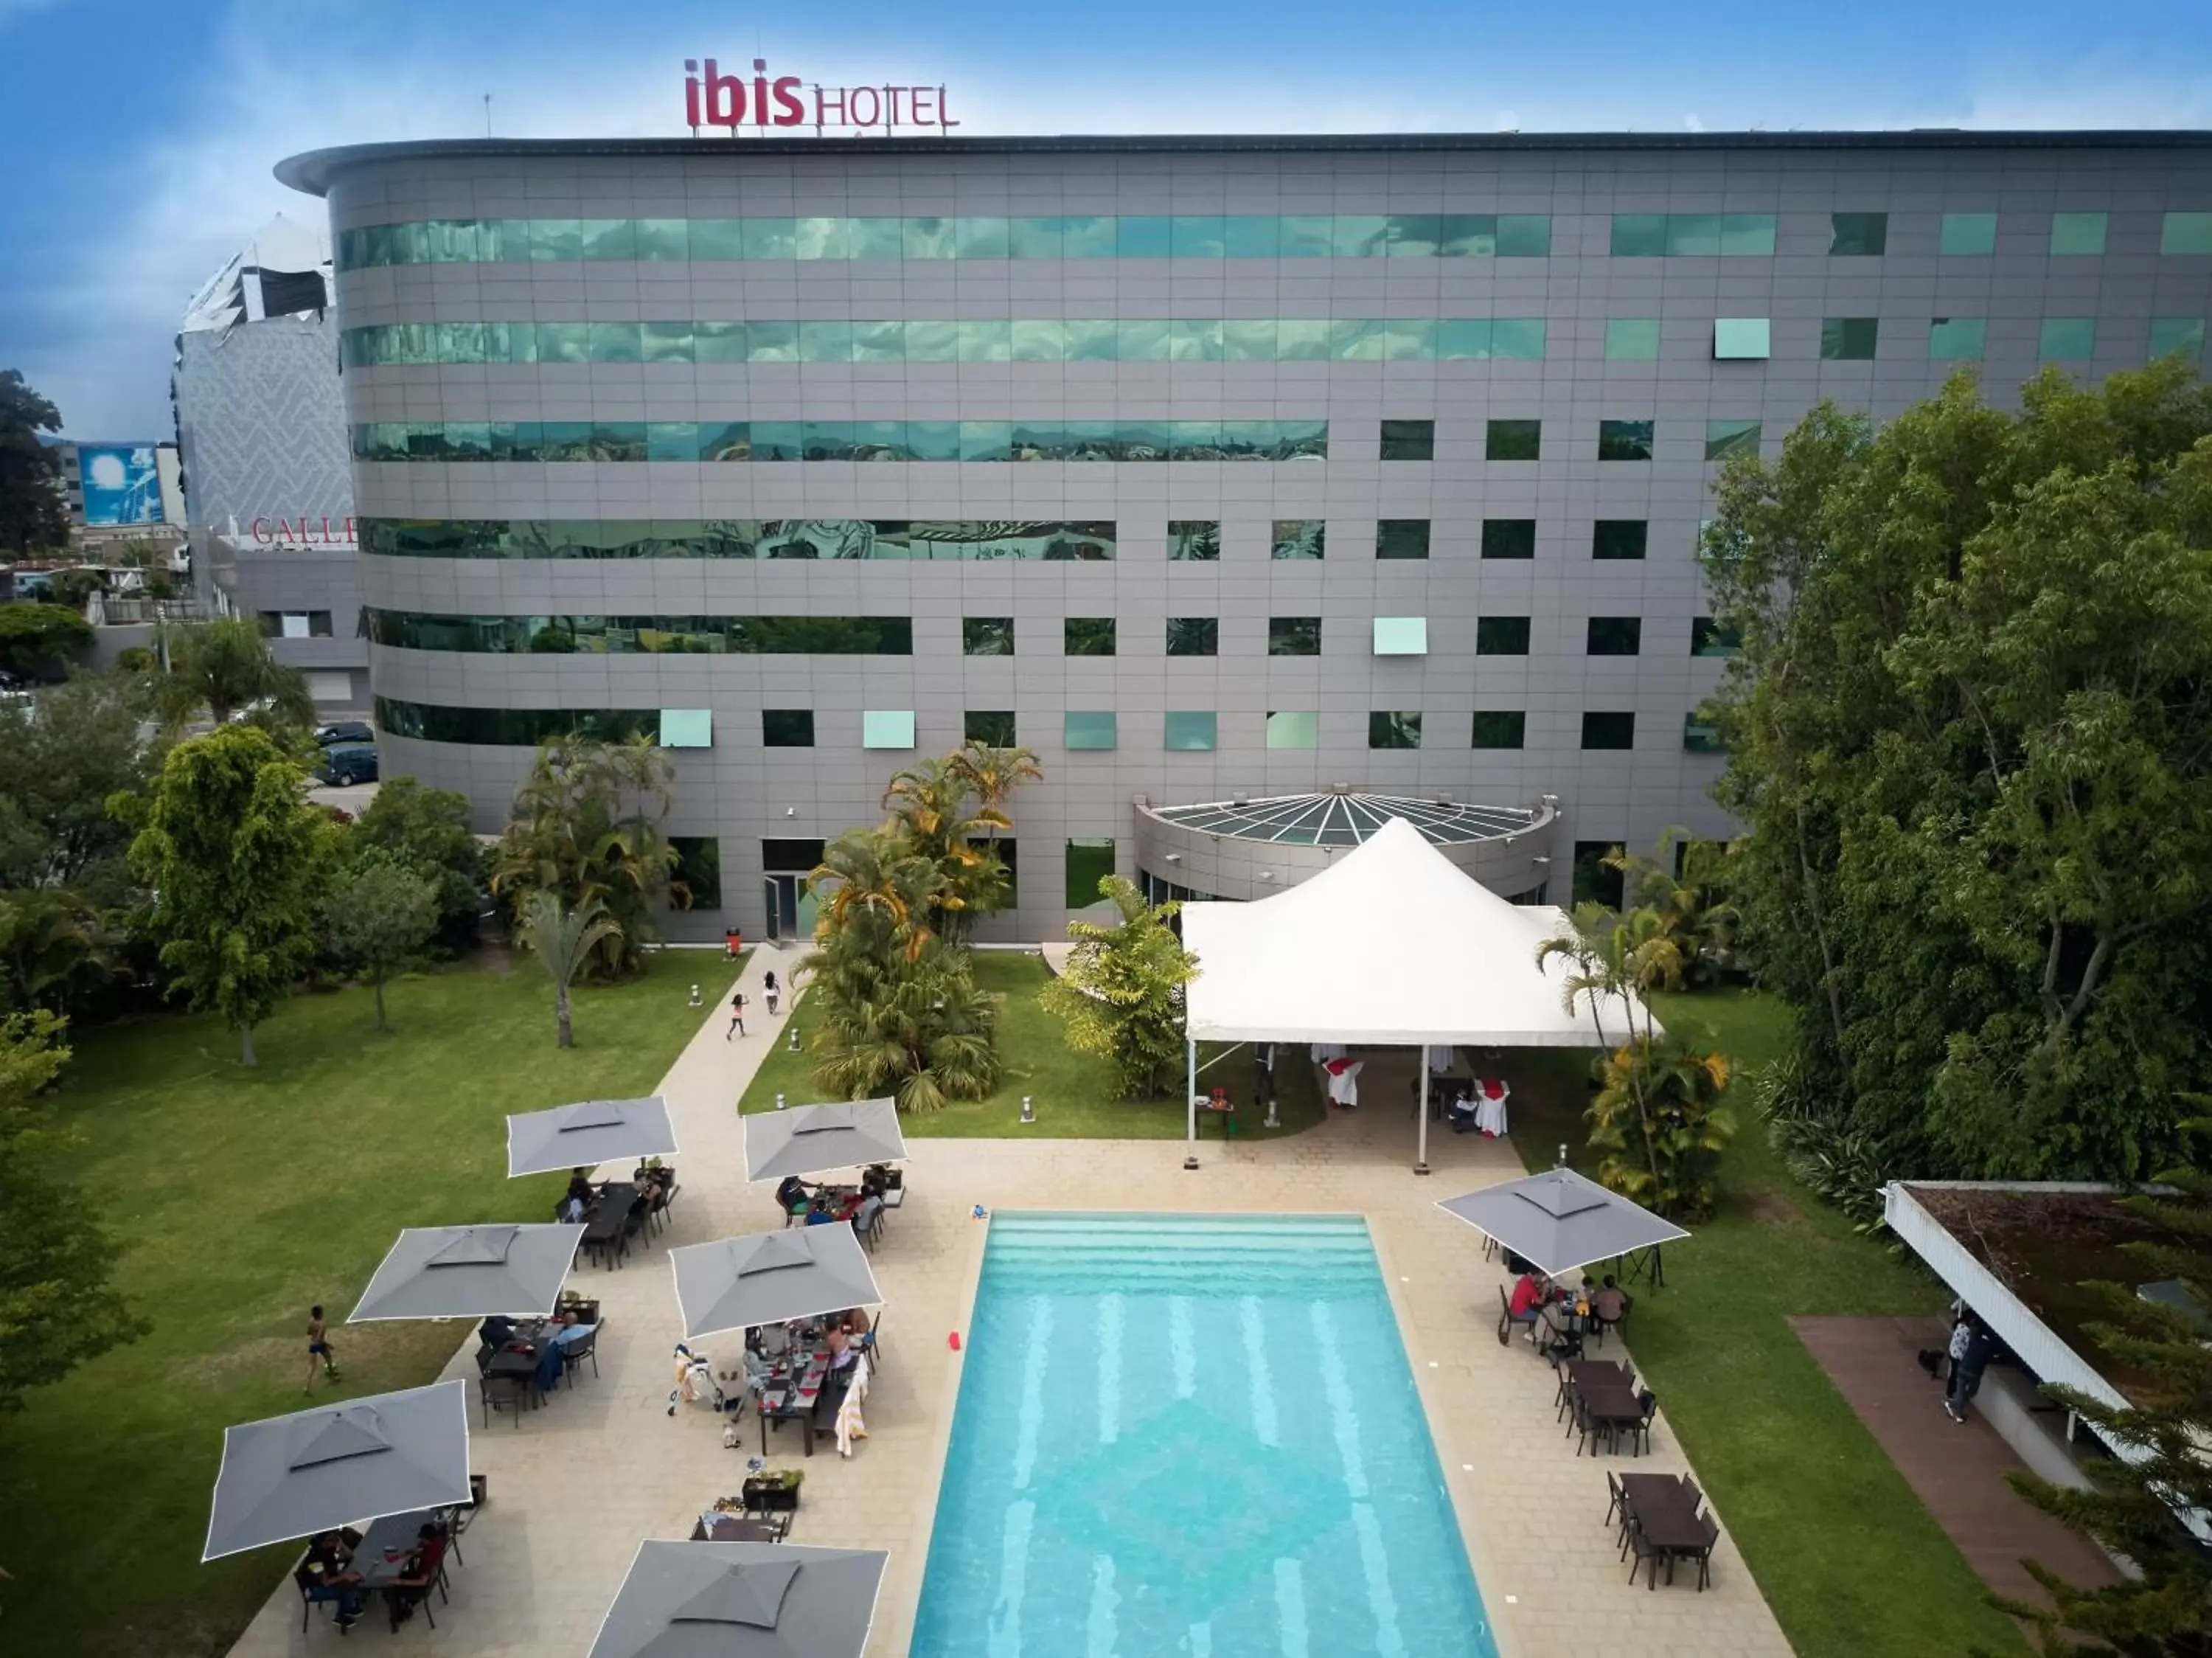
1968,1360
769,990
320,1355
737,1015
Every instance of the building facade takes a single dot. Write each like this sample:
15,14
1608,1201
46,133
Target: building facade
1211,470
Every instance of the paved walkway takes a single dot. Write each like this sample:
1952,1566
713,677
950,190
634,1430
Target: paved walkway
575,1487
1958,1472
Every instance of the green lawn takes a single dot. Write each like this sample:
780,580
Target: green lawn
1846,1555
243,1197
1069,1087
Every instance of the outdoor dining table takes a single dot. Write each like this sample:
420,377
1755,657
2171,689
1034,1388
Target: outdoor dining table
396,1534
1607,1402
734,1528
792,1398
1667,1514
603,1229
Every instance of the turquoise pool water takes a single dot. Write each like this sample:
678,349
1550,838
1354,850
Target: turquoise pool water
1191,1434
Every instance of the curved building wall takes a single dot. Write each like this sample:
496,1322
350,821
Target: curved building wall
1461,358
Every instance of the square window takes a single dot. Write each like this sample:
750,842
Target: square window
986,636
1701,736
2067,337
1298,538
1857,233
1624,440
1293,730
1194,541
988,728
1193,636
1402,538
1709,638
1608,731
1953,338
1409,440
1726,437
1631,339
1509,538
1087,635
1393,730
2170,335
1499,728
1087,730
1740,338
1402,636
2074,233
1593,883
687,728
1637,236
1615,635
1294,636
1089,861
698,870
887,728
1849,340
1620,538
1190,732
1501,636
1968,234
2185,233
1513,440
786,727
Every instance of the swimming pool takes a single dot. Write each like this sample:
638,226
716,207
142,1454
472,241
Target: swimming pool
1191,1434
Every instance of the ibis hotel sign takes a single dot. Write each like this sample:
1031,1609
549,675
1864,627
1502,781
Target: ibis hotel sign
761,102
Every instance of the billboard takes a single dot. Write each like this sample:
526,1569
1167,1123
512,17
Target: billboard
122,484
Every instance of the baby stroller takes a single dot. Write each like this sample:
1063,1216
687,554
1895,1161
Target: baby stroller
696,1385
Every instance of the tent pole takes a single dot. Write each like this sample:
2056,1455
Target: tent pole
1421,1161
1190,1099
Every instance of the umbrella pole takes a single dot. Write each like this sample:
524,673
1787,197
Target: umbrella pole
1421,1158
1190,1099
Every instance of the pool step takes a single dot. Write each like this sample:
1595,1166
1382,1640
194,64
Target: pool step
1090,1253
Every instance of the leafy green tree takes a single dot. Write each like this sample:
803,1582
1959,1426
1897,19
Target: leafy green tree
929,807
1123,992
562,940
58,1308
32,516
1658,1127
233,854
38,640
1692,907
1969,731
53,944
427,830
376,916
992,775
1614,961
223,667
59,763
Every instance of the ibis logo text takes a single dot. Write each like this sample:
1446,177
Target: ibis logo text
766,102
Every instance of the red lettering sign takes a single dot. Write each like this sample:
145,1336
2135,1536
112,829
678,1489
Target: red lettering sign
766,103
303,532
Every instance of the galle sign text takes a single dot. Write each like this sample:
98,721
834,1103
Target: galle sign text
766,102
301,531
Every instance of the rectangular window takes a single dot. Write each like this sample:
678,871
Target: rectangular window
2065,337
1393,730
1409,440
986,636
1194,541
1951,339
1191,732
1509,538
2185,233
1701,736
1402,636
1293,730
1849,340
1739,339
1087,635
1087,730
1620,538
2076,233
990,727
698,869
687,728
1972,235
790,854
1857,233
786,727
1402,538
1193,636
887,728
1608,731
1501,636
1294,636
2173,335
1298,539
1674,234
1709,638
1089,861
1595,883
1513,440
1631,339
1615,635
1499,728
1726,437
1624,440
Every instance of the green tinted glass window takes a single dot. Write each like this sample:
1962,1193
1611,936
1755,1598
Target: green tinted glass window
1701,736
884,727
1849,340
786,727
1193,636
1402,538
1409,440
1631,339
1298,539
1968,234
1501,636
1513,440
1290,729
1190,731
1624,440
2074,233
1088,636
986,636
1519,235
1618,538
2065,337
1509,538
1402,636
1089,861
992,728
1084,729
1195,539
1709,638
1294,636
1726,437
2185,233
2171,335
1736,338
1950,338
1608,731
1857,233
1747,235
1639,235
1499,728
1615,635
1394,729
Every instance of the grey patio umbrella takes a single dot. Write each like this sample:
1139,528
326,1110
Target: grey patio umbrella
734,1283
1561,1221
293,1476
587,1135
847,1134
469,1272
742,1600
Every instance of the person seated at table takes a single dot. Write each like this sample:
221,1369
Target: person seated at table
419,1576
1554,1330
839,1340
822,1212
792,1194
1527,1294
1609,1304
329,1565
580,1196
875,1180
855,1320
865,1211
495,1332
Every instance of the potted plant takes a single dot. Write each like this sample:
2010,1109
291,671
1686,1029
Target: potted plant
774,1491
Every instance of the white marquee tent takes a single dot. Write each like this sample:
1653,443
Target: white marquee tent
1391,946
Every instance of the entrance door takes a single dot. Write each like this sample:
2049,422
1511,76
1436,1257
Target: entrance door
780,896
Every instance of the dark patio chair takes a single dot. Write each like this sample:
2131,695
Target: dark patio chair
872,1343
313,1593
505,1392
575,1352
1640,1433
1616,1506
1703,1554
1508,1319
1690,1489
1643,1553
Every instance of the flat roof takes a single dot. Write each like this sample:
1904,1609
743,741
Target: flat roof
312,170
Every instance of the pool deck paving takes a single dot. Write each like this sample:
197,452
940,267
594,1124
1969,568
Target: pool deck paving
574,1488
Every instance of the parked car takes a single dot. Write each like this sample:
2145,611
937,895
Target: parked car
344,731
344,766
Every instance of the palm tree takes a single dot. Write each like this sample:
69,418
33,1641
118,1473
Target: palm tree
224,667
991,776
1611,955
870,879
562,940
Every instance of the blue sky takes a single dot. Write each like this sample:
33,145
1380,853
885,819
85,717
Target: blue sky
143,132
